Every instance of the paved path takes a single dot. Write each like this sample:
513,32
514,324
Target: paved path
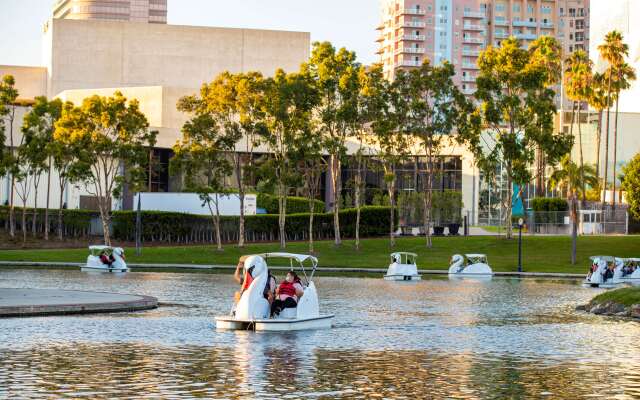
320,269
31,302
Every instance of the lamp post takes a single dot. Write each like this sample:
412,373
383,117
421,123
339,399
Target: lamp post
520,223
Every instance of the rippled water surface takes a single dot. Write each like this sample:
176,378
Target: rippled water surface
504,338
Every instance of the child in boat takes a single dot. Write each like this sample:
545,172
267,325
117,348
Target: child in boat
107,259
288,293
245,281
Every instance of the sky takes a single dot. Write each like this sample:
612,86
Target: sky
348,23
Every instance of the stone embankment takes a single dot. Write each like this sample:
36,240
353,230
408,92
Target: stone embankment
623,302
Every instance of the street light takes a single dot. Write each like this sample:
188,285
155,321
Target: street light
520,223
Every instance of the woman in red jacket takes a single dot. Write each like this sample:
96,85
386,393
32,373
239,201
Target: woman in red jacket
288,293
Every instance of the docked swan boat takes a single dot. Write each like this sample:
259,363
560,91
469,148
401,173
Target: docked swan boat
627,271
470,265
403,267
601,273
252,312
105,259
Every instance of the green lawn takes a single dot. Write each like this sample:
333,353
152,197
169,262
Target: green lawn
540,253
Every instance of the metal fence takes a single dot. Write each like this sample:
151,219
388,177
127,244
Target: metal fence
590,222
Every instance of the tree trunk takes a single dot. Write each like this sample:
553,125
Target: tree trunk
606,152
60,210
391,189
24,220
12,215
358,184
311,214
282,208
582,183
105,217
574,227
46,208
336,186
217,225
241,195
615,151
428,188
598,139
35,209
509,210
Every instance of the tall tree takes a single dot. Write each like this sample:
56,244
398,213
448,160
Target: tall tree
201,155
613,51
570,178
38,126
8,108
599,100
546,54
335,75
578,85
622,80
631,184
233,102
516,107
430,100
288,104
111,136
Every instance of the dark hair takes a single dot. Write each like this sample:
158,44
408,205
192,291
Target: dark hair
295,276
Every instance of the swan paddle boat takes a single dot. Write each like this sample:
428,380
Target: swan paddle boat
252,312
603,273
470,265
105,259
627,271
403,267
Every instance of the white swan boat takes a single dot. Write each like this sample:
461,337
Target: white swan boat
602,273
252,312
403,267
627,271
470,265
608,272
114,254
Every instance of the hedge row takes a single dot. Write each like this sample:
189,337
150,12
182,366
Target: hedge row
549,204
188,228
295,205
75,223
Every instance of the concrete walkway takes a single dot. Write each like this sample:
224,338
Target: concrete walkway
275,268
32,302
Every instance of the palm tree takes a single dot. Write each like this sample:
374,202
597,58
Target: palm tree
613,51
577,82
572,179
598,100
622,80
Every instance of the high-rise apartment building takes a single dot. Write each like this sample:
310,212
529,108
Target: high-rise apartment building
152,11
458,30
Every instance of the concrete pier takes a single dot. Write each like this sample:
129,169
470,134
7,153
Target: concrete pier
37,302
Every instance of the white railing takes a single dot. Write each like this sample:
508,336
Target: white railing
501,22
472,40
412,11
473,14
410,63
470,53
530,24
414,37
468,78
407,49
471,27
469,66
414,24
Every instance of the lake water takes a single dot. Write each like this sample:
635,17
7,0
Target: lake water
504,338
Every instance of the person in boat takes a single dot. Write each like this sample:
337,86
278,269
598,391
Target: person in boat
288,293
107,259
608,273
629,268
246,279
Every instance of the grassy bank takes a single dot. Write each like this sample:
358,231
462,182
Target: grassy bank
626,296
540,253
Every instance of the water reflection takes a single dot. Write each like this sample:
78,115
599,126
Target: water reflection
243,370
503,338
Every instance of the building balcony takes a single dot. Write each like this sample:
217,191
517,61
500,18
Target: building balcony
410,50
525,36
409,63
380,39
466,65
468,78
528,24
471,27
547,25
468,91
474,14
380,27
418,38
472,40
412,11
471,53
413,24
501,22
501,35
380,51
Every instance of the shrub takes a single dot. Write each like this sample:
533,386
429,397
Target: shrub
295,205
549,204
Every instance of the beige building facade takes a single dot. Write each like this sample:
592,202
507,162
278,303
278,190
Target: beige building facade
151,11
